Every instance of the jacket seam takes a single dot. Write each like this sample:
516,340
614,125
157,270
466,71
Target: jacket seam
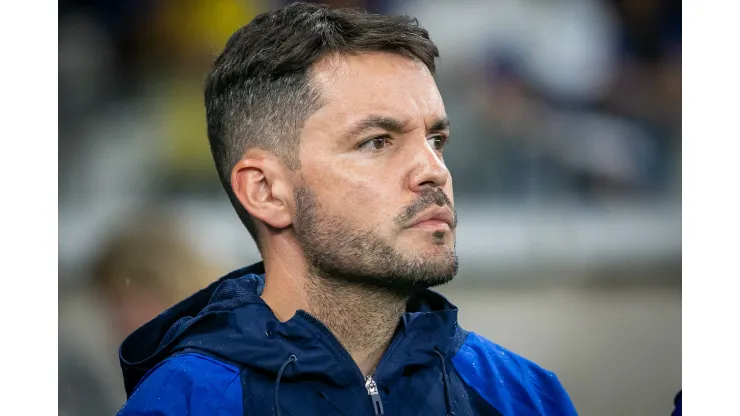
223,393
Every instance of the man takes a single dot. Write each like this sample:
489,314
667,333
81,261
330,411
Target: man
328,133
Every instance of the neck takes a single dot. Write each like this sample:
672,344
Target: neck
363,319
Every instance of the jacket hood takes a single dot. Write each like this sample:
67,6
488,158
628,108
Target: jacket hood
229,320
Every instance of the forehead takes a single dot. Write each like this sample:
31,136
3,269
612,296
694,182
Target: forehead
354,86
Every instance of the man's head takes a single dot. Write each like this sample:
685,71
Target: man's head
327,127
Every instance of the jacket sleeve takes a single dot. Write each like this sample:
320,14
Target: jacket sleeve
188,384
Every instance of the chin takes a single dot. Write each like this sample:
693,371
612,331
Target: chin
437,259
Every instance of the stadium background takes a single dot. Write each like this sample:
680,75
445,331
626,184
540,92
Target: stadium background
566,161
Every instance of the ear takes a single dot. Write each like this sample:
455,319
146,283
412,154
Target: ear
261,183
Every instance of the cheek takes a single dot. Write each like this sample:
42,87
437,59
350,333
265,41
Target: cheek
360,197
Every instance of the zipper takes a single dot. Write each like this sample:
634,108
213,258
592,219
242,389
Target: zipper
372,391
372,387
369,382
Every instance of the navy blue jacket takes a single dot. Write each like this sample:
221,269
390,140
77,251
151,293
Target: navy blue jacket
677,404
223,352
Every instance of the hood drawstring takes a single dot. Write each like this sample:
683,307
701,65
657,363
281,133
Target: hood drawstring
445,381
290,359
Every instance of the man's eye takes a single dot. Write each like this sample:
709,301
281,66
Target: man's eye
438,142
376,143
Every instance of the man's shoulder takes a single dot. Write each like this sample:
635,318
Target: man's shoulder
506,380
480,352
187,383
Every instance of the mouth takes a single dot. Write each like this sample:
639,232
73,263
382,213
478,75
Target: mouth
437,219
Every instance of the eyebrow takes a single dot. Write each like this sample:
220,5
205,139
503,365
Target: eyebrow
440,124
377,122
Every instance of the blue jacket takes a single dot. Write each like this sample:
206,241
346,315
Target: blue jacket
223,352
677,404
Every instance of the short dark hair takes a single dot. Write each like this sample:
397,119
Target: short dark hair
258,93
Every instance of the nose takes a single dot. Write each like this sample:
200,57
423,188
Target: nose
429,169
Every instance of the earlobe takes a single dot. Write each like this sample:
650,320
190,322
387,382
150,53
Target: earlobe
260,183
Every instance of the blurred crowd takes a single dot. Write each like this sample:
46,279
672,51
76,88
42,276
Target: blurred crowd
568,100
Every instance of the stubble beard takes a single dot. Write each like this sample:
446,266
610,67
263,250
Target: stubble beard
341,255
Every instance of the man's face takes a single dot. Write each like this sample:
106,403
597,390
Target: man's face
371,169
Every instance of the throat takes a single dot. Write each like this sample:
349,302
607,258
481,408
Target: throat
363,319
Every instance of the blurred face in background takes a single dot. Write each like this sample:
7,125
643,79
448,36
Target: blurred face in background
132,305
145,268
372,168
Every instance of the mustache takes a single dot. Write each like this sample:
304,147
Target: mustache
427,199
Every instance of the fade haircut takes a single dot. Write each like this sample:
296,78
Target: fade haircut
259,91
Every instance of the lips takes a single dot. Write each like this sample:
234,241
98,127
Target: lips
437,214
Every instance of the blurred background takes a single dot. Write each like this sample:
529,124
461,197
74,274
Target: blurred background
566,161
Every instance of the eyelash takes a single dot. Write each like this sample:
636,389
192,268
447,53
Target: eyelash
444,139
365,145
388,139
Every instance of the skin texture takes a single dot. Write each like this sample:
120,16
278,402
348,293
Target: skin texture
337,232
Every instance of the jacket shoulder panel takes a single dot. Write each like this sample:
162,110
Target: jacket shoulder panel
510,383
187,384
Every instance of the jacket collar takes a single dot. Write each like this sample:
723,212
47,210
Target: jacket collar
229,320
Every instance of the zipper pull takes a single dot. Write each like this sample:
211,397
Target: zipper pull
372,391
